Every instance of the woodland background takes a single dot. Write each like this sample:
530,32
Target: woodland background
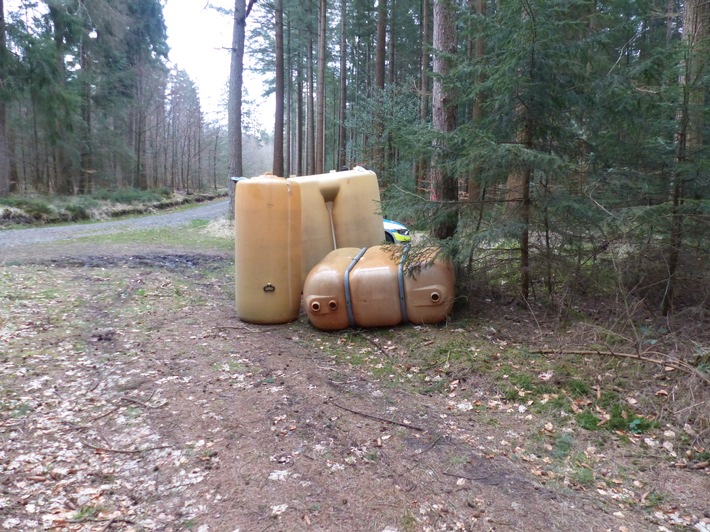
556,149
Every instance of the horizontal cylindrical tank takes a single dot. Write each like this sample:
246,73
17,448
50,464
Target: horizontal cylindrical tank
324,290
378,287
267,253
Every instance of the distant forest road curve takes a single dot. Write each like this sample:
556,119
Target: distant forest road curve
45,235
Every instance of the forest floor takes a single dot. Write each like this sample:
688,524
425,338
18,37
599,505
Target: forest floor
133,398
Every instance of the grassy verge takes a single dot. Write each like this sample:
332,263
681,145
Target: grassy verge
562,402
26,210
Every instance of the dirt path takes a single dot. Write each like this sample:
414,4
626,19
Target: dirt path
42,235
135,399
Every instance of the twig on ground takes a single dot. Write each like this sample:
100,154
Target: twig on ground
124,451
378,346
432,444
377,418
105,414
108,522
457,475
140,403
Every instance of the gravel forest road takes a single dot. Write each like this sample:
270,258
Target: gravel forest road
43,235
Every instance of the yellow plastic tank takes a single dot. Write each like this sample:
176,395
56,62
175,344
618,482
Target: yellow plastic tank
374,288
267,225
429,287
318,236
357,213
339,209
324,295
378,287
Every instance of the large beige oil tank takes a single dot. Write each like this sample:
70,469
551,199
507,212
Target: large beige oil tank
324,290
374,288
267,225
429,286
339,209
378,287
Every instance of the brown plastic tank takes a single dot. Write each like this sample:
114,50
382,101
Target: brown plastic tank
374,287
378,287
318,236
339,209
357,213
324,290
429,287
267,225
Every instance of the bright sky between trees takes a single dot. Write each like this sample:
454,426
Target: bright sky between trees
199,38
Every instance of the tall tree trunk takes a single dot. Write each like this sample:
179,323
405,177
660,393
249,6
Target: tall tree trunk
278,166
310,112
696,38
422,164
234,108
378,154
86,163
381,47
289,101
477,50
64,182
518,199
4,149
391,52
444,187
342,133
320,100
299,117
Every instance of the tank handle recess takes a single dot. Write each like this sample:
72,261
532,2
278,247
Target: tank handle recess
400,281
348,298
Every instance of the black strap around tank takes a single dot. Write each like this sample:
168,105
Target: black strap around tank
348,298
400,281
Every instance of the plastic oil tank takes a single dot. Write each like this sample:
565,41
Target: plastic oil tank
267,225
339,209
378,287
429,287
357,213
324,290
374,288
318,235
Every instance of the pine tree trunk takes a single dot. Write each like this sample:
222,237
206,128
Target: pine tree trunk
299,117
289,100
320,100
64,182
422,164
378,154
696,38
234,112
444,187
278,166
342,133
310,113
4,148
476,52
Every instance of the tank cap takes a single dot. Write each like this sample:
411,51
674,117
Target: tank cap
269,288
435,297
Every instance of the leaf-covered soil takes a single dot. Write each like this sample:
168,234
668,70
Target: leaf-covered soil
133,398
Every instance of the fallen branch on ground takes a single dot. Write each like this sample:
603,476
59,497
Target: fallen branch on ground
377,418
124,451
